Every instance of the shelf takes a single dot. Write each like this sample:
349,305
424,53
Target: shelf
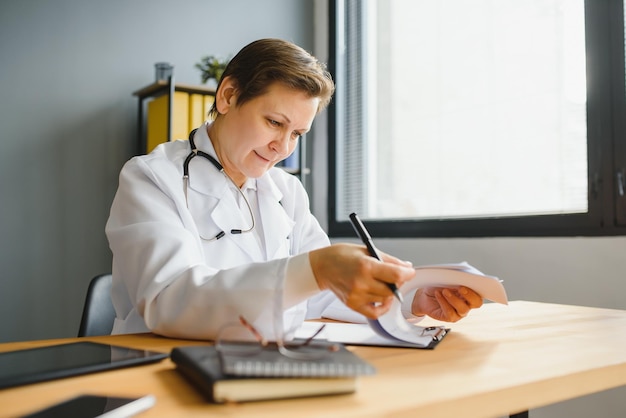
162,87
173,109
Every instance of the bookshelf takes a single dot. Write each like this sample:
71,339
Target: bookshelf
169,111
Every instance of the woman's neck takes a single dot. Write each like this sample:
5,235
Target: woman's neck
213,131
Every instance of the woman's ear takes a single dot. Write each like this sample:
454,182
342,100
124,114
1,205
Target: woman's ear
226,95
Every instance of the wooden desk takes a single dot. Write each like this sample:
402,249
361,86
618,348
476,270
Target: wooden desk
499,360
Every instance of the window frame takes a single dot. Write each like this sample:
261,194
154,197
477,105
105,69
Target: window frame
606,147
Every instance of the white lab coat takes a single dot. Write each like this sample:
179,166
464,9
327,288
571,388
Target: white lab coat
167,280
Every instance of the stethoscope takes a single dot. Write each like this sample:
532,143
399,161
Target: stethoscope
194,152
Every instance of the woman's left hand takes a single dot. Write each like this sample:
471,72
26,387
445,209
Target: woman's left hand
447,304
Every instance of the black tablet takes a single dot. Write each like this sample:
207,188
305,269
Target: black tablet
96,406
32,365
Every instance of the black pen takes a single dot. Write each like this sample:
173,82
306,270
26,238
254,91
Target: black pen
367,240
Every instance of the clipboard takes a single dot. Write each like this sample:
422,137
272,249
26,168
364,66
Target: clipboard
364,335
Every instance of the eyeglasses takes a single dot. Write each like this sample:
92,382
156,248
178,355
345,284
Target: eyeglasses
242,339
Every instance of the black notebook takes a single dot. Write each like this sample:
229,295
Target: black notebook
203,366
329,360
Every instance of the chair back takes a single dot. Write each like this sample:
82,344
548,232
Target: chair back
98,312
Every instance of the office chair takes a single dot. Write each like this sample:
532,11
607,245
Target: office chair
98,312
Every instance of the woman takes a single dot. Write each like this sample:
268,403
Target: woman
205,230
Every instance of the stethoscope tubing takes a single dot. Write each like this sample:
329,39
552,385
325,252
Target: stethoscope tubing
196,152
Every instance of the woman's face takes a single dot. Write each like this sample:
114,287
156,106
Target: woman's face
250,139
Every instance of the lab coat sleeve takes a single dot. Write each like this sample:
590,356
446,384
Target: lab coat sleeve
307,236
159,268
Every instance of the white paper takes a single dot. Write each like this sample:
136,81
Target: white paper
392,329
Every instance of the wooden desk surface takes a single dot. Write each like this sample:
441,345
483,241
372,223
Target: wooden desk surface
498,360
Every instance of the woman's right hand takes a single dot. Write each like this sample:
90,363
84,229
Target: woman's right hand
358,279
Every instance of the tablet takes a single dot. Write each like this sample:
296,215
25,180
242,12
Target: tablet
32,365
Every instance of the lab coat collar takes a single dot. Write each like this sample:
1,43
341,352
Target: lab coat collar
202,140
205,179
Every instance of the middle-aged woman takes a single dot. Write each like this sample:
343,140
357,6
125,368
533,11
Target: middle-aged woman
205,230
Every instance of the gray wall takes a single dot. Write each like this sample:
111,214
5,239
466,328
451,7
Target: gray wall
68,122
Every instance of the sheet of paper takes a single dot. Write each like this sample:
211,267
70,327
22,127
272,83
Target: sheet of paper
489,287
394,325
392,329
356,334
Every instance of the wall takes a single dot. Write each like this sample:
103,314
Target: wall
68,121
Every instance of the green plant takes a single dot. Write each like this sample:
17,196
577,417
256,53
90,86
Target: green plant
211,67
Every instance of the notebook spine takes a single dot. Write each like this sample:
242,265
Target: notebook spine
201,378
295,369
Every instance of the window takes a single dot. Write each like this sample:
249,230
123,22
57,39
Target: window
481,118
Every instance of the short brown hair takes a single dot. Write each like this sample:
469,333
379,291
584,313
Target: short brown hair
266,61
